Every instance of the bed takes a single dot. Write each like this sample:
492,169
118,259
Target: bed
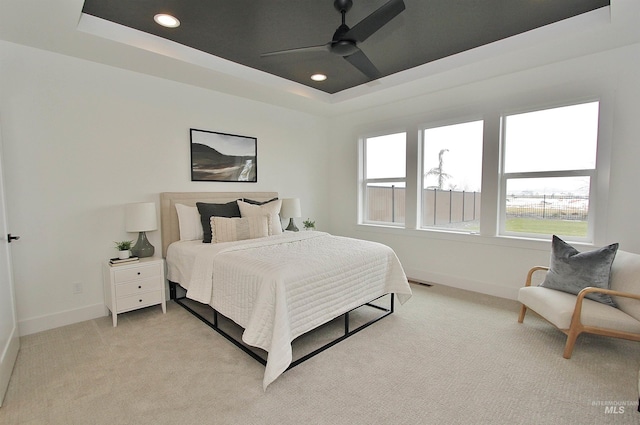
278,287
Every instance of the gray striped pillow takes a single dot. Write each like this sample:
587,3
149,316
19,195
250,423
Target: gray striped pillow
225,229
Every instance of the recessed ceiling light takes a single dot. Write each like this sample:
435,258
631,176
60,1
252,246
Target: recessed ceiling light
166,20
318,77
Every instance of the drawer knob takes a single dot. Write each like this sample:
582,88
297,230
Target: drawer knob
138,273
140,300
139,286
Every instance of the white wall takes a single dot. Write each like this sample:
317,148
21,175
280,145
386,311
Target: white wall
73,130
81,139
483,263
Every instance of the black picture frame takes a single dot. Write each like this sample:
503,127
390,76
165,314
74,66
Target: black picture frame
223,157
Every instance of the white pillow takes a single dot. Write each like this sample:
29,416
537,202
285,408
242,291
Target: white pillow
273,208
189,223
224,229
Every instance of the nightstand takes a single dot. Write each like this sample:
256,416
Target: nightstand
132,286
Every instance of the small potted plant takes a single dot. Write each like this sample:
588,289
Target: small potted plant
309,225
124,248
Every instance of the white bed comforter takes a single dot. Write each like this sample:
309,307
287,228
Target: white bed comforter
280,287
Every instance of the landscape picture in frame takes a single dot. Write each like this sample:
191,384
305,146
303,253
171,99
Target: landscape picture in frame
222,157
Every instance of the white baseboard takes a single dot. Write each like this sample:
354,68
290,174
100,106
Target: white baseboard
63,318
461,283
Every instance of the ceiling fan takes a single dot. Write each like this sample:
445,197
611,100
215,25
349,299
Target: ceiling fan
345,40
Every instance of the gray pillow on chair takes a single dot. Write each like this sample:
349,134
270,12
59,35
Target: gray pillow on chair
571,271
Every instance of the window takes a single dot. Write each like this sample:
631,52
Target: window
384,182
452,174
529,174
549,166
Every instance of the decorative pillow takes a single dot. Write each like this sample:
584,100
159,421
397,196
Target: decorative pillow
272,207
230,209
238,229
571,271
189,223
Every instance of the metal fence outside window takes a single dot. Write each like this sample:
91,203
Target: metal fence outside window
445,207
555,207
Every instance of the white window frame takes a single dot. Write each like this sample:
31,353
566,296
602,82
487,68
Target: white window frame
422,168
505,177
493,212
363,200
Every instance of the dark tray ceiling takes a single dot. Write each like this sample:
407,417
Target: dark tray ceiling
428,30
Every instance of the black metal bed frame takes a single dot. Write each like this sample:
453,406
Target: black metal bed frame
347,332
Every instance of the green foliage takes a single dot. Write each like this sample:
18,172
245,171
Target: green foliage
308,224
123,245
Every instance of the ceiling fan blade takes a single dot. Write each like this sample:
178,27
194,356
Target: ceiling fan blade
319,48
372,23
364,65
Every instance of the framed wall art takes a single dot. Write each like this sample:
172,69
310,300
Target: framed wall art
222,157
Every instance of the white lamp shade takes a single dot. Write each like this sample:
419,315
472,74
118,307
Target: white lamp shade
140,217
290,208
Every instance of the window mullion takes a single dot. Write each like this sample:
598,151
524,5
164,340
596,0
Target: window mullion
543,174
491,160
386,180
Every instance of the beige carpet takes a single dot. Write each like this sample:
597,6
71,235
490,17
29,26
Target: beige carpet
445,357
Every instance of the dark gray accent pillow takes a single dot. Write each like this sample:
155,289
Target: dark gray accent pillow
206,211
571,271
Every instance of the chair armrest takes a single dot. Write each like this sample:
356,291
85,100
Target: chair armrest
577,312
591,289
532,271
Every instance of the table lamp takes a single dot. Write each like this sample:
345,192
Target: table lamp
290,209
141,217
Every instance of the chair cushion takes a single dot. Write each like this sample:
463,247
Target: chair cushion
557,307
625,277
571,270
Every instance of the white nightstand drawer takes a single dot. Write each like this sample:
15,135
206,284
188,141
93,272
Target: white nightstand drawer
131,286
139,300
140,272
137,287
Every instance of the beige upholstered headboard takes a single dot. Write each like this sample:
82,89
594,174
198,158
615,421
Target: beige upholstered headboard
169,216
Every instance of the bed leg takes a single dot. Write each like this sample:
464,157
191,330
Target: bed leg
215,318
172,290
346,323
392,299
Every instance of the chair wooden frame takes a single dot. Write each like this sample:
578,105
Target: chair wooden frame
576,327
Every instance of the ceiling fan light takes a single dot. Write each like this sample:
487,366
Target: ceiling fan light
166,20
318,77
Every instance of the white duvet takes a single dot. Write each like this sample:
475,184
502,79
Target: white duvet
279,287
